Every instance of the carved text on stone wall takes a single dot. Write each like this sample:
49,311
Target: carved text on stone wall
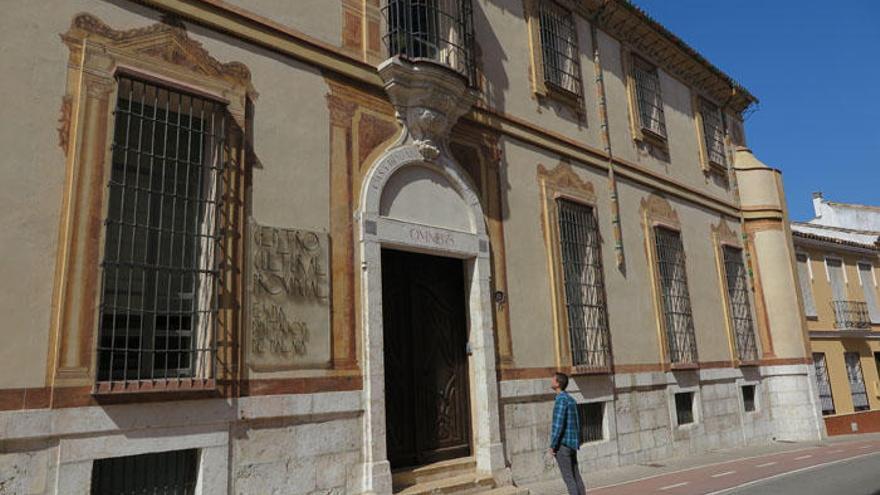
273,332
289,262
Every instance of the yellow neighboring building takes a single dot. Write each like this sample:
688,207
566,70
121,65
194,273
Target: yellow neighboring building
838,258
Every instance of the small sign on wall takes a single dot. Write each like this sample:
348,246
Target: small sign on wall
288,324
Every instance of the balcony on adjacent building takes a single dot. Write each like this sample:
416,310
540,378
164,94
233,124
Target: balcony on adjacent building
851,315
440,31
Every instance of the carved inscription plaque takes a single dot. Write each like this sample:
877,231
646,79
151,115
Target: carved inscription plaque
289,303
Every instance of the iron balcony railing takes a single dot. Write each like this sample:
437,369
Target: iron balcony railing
437,30
851,315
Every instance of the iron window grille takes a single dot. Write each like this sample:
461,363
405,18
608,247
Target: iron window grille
592,418
438,30
559,47
713,132
748,394
165,473
738,302
684,408
680,338
584,285
851,315
856,381
158,310
649,97
824,383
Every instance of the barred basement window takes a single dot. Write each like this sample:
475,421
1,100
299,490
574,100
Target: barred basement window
173,472
680,339
738,299
584,285
592,417
856,381
748,393
559,47
823,382
684,408
648,97
713,132
160,272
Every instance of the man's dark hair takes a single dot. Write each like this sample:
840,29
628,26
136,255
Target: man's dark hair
562,380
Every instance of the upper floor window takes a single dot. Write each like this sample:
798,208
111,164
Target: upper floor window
869,288
584,285
158,310
713,132
649,98
678,318
559,48
806,280
438,30
738,302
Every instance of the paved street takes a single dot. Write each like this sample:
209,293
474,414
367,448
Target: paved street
841,468
841,465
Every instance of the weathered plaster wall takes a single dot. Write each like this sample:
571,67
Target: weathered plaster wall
300,15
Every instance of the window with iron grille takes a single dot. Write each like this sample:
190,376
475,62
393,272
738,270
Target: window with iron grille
680,339
806,285
159,271
439,30
559,47
748,394
684,408
823,383
648,97
856,381
713,132
738,302
168,473
592,417
584,285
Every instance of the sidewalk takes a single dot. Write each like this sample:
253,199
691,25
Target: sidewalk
627,474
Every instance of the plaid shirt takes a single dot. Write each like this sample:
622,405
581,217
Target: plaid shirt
566,424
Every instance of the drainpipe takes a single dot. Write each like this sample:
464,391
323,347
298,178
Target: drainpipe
606,141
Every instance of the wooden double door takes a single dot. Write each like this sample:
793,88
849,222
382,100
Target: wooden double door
426,374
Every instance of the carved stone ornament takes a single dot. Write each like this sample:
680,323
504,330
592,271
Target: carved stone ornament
564,178
657,209
428,99
289,304
725,235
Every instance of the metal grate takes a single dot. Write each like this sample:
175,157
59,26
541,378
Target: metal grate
681,342
740,309
823,382
856,381
684,408
748,394
713,131
559,46
163,473
438,30
649,98
160,284
584,285
851,315
592,418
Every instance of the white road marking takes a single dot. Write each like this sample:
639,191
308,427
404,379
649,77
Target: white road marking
766,464
670,487
782,475
723,474
803,457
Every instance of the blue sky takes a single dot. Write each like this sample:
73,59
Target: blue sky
815,66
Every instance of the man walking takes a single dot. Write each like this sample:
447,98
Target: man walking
565,436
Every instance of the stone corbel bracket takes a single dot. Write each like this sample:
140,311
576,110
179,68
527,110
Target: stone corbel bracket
428,98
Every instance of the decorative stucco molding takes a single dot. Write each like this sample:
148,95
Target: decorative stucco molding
656,209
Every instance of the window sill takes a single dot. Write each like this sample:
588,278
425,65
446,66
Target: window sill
561,94
750,363
717,168
173,386
584,370
650,137
684,366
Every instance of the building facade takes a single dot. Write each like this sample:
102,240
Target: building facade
340,246
838,258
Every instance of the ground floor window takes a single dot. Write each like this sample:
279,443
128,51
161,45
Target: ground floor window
592,418
823,383
748,393
856,381
684,408
167,473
